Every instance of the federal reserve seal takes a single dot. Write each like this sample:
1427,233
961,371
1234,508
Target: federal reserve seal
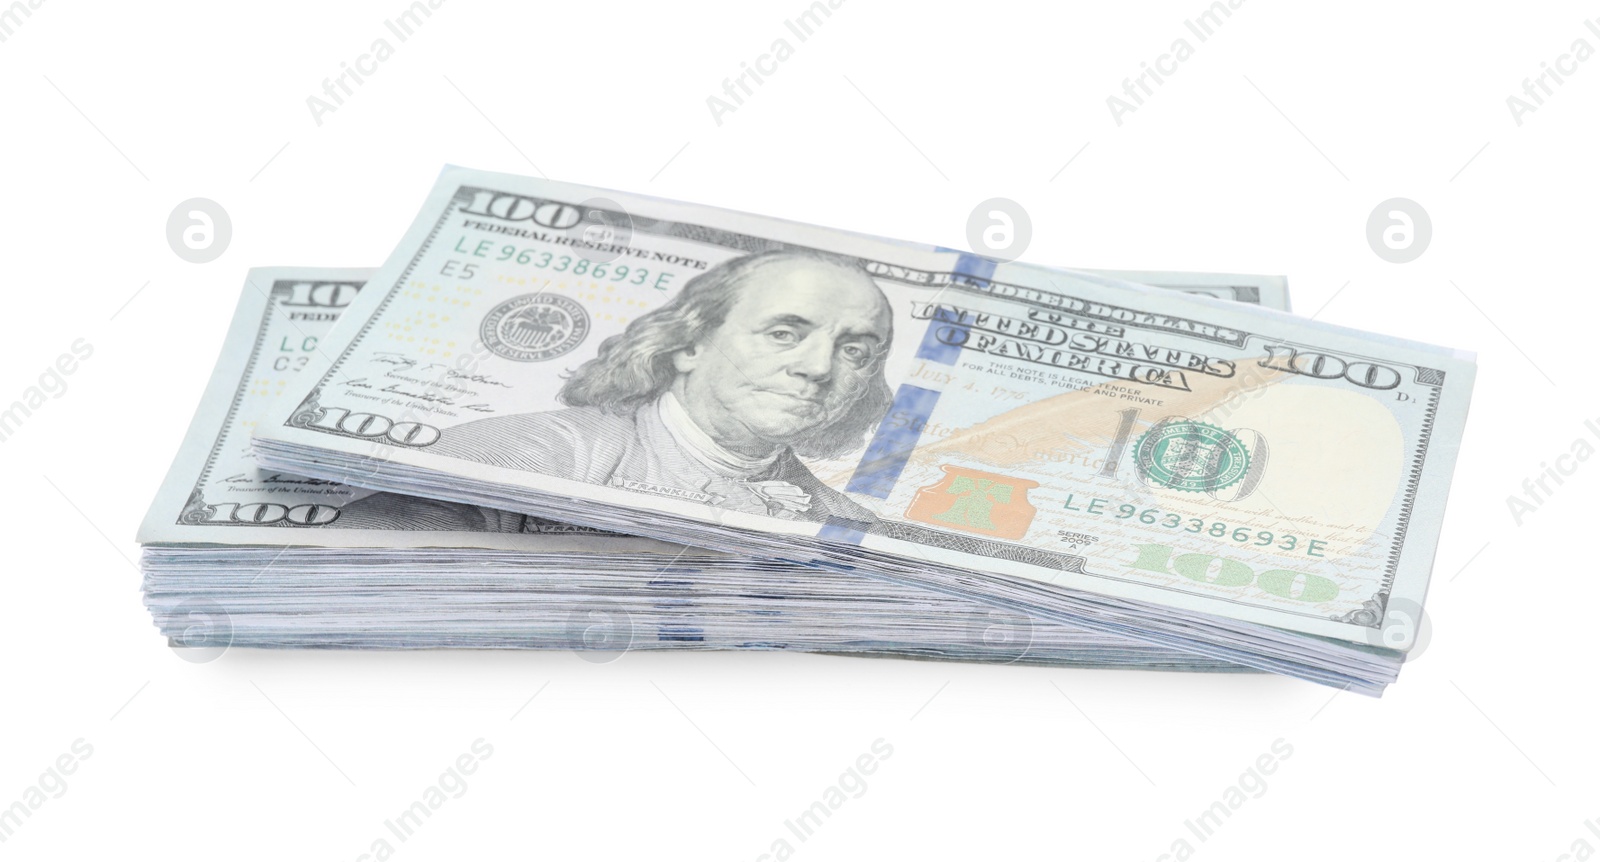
1191,456
535,327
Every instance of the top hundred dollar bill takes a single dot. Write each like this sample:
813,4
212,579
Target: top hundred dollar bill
754,384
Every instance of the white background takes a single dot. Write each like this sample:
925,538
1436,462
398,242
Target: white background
1265,152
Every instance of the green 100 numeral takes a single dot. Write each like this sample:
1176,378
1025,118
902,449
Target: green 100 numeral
1208,569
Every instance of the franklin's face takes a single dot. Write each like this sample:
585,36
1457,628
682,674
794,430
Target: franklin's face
796,351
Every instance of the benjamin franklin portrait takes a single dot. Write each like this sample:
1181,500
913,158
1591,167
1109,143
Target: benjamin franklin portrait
715,397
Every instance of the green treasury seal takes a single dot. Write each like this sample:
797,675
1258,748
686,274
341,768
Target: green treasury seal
1191,456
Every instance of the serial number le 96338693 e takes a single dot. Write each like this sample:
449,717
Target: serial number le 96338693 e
615,272
1216,529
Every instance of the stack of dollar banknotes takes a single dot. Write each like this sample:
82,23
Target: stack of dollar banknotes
561,417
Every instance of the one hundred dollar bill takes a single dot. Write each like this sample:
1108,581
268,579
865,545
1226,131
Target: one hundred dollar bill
1074,444
299,561
216,493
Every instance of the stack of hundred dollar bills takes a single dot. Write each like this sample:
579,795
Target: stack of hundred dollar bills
875,430
237,555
